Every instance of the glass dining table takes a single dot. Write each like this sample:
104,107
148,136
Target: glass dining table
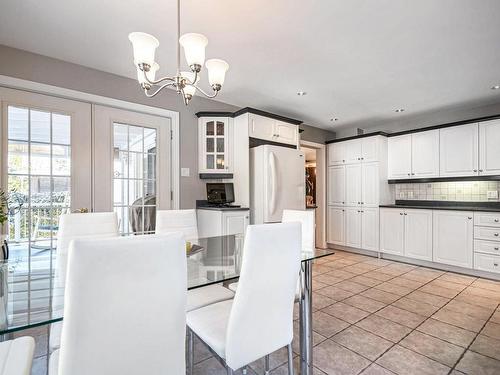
35,298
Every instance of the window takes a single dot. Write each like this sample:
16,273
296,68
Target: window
134,178
39,180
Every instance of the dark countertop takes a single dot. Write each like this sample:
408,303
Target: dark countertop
211,208
445,205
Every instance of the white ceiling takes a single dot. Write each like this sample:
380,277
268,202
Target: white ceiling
358,60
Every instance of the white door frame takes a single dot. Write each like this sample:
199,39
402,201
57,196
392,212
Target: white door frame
41,88
320,191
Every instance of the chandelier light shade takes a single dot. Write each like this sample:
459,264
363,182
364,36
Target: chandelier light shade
185,83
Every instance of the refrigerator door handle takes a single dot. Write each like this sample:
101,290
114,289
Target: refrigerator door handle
272,167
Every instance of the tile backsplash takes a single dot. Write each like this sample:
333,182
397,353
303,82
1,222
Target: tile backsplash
470,191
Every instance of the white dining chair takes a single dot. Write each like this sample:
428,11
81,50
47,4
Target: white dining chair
259,320
307,219
125,310
184,221
75,226
16,356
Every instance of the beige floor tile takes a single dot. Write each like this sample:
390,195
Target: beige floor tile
335,293
378,276
375,369
318,269
317,285
362,342
394,289
389,270
276,359
476,300
434,348
346,312
364,303
407,283
406,362
447,332
283,369
403,317
457,278
477,364
420,308
447,284
333,358
212,367
431,299
487,284
351,286
480,292
327,325
496,317
469,309
317,338
327,279
460,320
492,330
356,269
380,295
487,346
368,281
341,274
438,291
320,301
384,328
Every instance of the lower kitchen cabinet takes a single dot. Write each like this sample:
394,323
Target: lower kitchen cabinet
336,225
370,229
487,262
453,237
212,223
354,227
392,227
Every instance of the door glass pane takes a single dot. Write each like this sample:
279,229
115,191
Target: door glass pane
210,128
40,126
61,129
220,144
220,161
61,160
18,123
134,177
210,162
220,128
18,158
40,158
210,145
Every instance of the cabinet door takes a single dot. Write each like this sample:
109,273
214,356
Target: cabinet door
370,149
352,151
336,154
391,231
353,184
370,184
418,234
336,225
452,234
353,227
425,154
261,127
399,157
234,222
370,229
489,150
214,145
286,133
336,185
458,151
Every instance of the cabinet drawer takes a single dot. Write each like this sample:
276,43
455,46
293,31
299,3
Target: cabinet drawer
487,247
487,262
487,219
487,233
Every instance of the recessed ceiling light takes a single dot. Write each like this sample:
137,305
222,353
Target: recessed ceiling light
334,119
399,110
301,93
496,87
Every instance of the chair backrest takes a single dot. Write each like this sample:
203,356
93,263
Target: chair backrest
125,310
261,319
306,218
168,221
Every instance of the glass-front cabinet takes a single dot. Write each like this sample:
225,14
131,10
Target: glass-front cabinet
214,145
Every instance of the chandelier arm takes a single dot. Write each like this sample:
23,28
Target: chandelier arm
158,81
203,92
152,95
188,81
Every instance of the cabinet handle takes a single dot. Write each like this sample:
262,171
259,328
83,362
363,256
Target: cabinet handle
401,213
469,217
343,202
362,202
413,174
343,160
496,220
409,174
362,211
359,202
362,158
495,264
495,248
496,234
474,170
480,170
406,214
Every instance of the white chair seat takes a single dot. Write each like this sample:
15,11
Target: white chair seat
210,325
16,356
201,297
234,286
54,362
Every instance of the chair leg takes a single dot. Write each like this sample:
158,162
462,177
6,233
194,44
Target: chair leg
267,365
190,351
290,359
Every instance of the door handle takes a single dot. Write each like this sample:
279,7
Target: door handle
272,166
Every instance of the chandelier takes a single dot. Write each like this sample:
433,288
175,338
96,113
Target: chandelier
185,83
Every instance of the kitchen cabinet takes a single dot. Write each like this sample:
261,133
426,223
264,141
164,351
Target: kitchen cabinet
270,129
392,231
414,155
453,237
459,151
367,149
370,229
487,262
353,227
353,186
370,184
214,145
418,234
489,150
336,185
371,149
352,151
336,153
213,223
336,224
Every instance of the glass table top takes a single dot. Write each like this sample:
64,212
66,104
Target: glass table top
34,298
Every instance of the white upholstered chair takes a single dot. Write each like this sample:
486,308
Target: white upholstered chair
124,314
184,221
259,320
306,218
76,226
16,356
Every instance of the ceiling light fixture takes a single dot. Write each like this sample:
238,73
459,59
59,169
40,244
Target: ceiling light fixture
399,110
185,83
496,87
301,93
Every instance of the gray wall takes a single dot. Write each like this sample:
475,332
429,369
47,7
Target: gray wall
37,68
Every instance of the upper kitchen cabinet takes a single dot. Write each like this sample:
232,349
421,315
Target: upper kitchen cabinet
489,150
274,130
459,151
414,155
366,149
215,146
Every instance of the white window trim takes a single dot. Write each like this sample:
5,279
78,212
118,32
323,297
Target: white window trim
41,88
